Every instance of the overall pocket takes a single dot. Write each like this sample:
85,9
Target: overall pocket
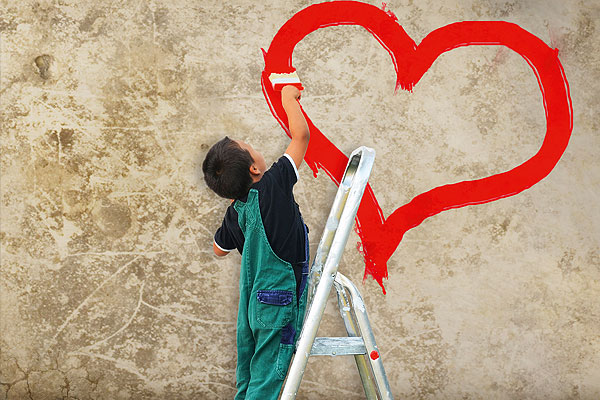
274,308
284,357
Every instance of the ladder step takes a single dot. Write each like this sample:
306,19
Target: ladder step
338,346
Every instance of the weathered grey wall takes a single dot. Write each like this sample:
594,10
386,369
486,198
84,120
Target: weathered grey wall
109,289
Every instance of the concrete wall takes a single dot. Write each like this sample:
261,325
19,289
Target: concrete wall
109,289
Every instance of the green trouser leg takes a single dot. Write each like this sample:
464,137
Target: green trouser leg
263,360
270,363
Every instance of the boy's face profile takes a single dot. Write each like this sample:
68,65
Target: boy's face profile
258,168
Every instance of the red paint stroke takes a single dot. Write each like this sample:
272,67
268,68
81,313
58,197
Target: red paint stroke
380,236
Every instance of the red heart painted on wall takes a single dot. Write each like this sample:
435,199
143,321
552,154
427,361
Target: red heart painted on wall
380,237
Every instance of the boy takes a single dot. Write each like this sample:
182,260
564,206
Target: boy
265,225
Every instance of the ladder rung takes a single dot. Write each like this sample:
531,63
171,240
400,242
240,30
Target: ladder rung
338,346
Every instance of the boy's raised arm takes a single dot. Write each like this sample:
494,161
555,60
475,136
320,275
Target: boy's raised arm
297,123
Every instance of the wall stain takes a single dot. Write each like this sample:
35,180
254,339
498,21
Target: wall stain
113,219
43,63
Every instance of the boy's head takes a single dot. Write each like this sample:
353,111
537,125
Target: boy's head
231,167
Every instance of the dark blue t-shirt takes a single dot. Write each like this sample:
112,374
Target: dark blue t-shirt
279,211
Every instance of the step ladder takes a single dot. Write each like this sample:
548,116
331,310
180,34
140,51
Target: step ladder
360,341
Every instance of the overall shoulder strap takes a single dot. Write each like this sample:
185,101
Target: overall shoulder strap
248,211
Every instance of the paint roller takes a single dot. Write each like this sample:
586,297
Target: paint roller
278,81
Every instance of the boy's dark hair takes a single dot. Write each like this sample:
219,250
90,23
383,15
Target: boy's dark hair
226,169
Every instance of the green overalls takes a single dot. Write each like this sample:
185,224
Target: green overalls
269,314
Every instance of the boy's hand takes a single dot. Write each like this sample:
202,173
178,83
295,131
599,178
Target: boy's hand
290,92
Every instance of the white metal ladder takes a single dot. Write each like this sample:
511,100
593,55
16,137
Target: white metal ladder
360,341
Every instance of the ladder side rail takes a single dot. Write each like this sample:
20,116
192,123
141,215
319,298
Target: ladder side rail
359,176
326,241
359,165
362,363
362,319
313,317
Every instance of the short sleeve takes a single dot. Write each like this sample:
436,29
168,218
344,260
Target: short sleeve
284,172
229,235
223,240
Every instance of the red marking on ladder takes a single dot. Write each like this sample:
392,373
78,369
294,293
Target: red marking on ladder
374,355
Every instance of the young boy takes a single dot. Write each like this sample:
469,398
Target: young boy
265,225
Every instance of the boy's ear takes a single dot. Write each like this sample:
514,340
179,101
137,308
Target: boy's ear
254,170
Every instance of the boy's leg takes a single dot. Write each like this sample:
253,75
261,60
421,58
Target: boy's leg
269,365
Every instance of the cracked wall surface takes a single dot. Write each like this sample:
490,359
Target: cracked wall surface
108,285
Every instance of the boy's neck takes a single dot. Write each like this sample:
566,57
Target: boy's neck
258,177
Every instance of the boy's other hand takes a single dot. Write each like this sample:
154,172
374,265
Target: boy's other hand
218,252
